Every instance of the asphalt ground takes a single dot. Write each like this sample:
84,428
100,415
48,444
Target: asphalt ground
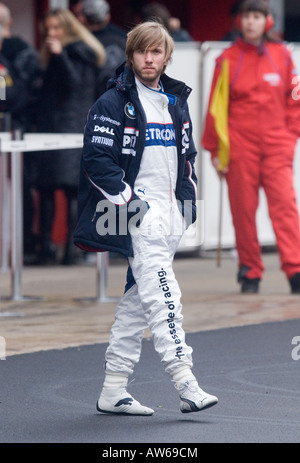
50,396
246,351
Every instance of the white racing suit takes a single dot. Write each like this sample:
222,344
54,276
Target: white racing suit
154,300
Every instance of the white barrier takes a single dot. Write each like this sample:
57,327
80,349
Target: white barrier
194,64
11,199
42,142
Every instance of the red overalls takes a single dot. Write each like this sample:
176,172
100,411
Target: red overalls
263,126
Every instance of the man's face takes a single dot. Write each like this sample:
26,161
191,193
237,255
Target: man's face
148,65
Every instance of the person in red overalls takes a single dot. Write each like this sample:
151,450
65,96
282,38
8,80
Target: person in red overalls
258,122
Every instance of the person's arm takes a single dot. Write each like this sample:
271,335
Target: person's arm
69,62
188,194
68,69
103,137
293,98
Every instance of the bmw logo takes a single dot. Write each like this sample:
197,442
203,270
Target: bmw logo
129,110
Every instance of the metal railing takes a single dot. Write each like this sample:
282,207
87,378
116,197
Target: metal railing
12,147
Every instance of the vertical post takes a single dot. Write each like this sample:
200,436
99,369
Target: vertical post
5,132
219,250
102,265
16,221
8,212
4,213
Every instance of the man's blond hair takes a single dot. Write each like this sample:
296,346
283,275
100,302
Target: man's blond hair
146,36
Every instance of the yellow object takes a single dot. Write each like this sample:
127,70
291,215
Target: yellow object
219,111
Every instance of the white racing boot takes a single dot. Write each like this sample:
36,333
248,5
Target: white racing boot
114,398
193,398
120,401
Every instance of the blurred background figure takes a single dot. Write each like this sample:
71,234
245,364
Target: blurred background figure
23,61
71,58
158,12
76,8
234,32
13,94
251,130
96,16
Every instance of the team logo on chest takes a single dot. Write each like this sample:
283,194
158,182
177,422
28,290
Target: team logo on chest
160,135
129,140
129,110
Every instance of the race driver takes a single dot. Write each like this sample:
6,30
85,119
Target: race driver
139,155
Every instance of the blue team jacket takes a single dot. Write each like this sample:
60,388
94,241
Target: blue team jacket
114,140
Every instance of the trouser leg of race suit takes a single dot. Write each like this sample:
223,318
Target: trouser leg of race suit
160,298
154,248
157,303
243,189
278,183
125,342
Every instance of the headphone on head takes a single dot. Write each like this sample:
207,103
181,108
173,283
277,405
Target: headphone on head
268,26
